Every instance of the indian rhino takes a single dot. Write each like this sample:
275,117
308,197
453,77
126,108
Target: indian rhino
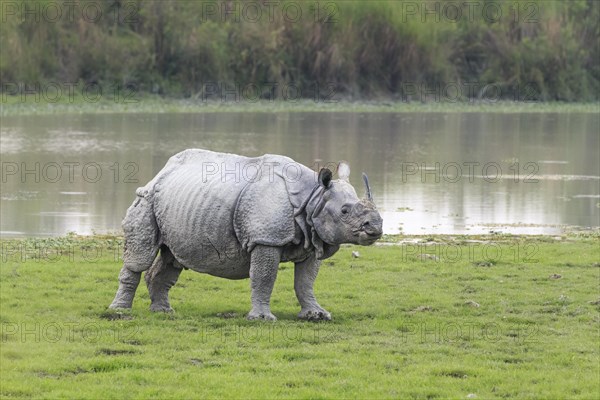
237,217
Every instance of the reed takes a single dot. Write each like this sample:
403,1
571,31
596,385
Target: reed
531,50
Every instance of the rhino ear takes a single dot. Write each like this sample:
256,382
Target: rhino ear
325,177
343,171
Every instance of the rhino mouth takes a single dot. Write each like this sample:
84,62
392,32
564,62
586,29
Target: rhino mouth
367,240
367,237
373,230
376,234
373,236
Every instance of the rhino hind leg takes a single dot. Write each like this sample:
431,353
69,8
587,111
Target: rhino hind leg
141,247
160,278
128,283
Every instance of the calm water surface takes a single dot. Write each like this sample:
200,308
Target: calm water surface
430,173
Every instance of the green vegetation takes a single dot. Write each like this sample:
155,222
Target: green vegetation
155,104
515,50
495,316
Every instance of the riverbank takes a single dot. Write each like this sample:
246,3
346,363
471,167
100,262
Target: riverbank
442,317
134,103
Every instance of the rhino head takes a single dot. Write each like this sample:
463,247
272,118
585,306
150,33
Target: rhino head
340,216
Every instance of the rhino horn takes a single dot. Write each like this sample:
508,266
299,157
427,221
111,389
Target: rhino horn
368,194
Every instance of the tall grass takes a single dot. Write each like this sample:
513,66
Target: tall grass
538,50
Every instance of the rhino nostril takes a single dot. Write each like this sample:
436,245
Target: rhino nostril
372,228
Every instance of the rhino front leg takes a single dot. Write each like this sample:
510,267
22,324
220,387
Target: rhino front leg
305,273
264,263
160,278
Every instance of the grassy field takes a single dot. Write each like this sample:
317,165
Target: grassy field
428,317
146,103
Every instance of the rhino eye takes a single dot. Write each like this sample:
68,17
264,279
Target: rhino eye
345,210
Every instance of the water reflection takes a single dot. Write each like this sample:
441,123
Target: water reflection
430,173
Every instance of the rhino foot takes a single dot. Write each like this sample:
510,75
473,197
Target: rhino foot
120,305
161,308
315,315
256,315
122,301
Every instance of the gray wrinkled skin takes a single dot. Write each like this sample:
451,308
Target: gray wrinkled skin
237,217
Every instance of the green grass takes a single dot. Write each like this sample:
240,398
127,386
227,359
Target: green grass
405,325
146,103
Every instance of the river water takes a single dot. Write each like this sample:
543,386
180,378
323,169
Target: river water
430,173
